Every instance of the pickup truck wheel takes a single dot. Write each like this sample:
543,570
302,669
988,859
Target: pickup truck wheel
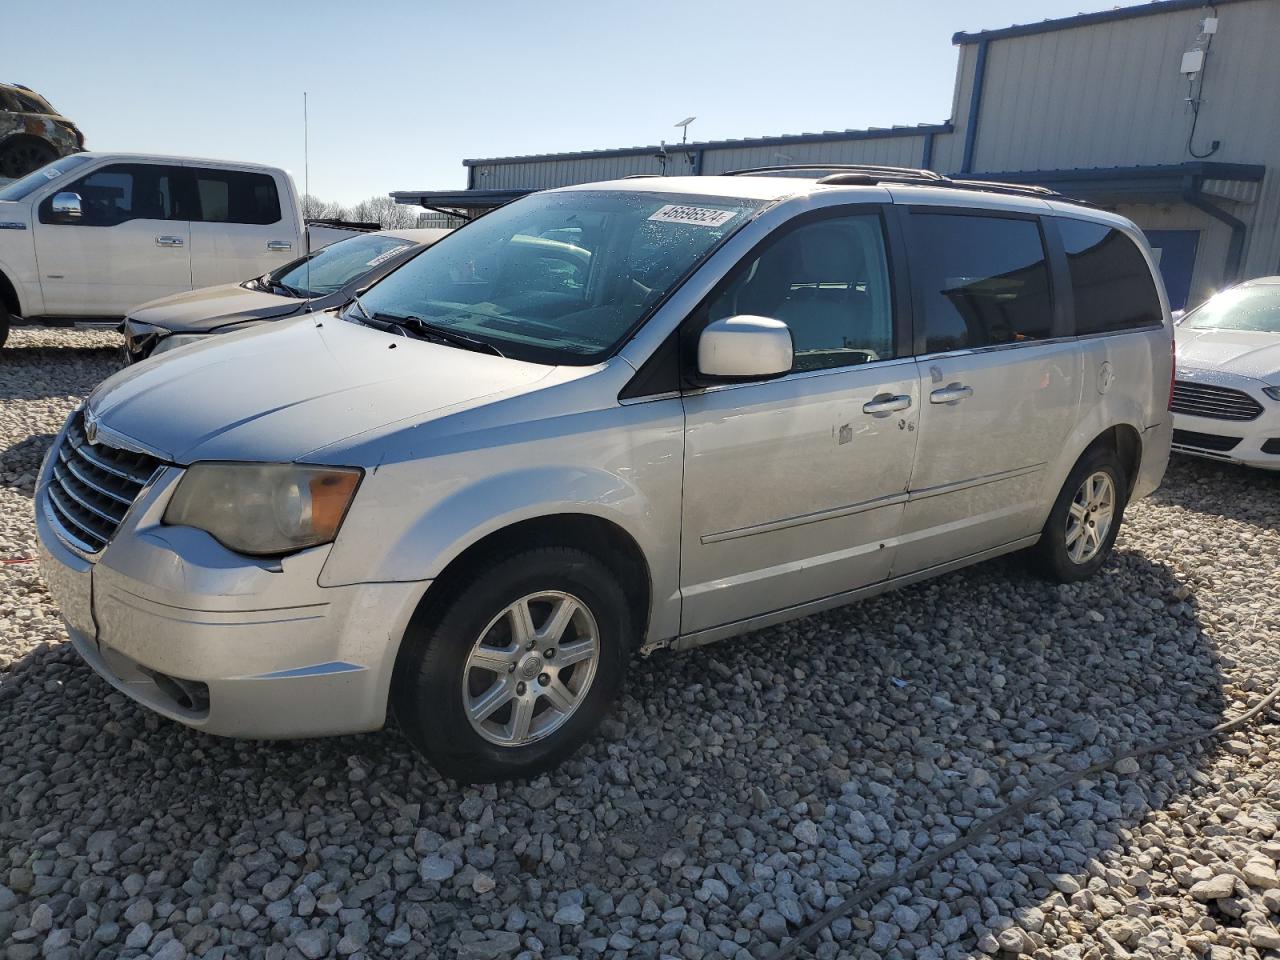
4,326
511,673
1085,520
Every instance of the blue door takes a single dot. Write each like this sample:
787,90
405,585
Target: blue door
1175,252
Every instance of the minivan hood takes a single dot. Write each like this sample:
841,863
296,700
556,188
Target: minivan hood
196,311
1248,353
276,392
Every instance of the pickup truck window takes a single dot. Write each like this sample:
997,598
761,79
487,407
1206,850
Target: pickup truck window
559,277
23,187
121,192
235,196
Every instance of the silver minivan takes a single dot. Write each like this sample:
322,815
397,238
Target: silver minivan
602,420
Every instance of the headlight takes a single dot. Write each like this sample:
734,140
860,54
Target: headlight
140,338
177,340
1272,392
264,509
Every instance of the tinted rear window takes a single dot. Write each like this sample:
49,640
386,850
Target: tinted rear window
233,196
1110,280
983,280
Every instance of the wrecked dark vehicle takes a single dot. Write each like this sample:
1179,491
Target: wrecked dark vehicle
32,132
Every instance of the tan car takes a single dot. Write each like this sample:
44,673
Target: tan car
32,132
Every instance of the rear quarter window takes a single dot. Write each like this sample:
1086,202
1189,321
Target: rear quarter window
1110,281
234,196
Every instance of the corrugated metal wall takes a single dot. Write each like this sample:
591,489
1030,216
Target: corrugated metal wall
1101,95
1111,94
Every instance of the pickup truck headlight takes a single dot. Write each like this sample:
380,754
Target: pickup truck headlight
264,509
175,340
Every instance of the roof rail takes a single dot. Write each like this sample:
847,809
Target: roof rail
867,169
869,174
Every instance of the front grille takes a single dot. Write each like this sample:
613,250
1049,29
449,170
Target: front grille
93,486
1272,446
1205,441
1218,403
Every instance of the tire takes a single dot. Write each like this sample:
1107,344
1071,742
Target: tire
443,667
4,326
1067,562
21,155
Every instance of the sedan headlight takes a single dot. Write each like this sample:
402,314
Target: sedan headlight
264,509
177,340
1272,392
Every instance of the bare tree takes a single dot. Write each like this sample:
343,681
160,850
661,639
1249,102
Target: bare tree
381,210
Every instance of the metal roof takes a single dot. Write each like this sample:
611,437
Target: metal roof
829,136
457,199
1151,182
1154,8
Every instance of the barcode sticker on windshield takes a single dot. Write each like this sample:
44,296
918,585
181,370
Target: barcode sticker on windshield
385,255
698,216
51,173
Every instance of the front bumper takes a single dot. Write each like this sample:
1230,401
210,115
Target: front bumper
220,642
1253,443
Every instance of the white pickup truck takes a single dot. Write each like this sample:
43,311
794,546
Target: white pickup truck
91,235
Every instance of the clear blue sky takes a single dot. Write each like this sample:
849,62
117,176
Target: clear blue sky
400,91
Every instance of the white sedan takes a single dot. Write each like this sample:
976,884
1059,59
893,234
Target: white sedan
1226,396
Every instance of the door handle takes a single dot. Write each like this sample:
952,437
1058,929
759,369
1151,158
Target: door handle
886,403
279,245
168,241
951,393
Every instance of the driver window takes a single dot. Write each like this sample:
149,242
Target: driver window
828,281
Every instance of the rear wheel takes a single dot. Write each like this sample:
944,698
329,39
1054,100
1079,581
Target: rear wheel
509,674
1085,520
20,156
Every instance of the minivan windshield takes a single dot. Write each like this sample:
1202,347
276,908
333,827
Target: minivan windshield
21,188
558,277
331,268
1243,308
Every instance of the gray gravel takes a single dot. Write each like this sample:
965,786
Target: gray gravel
737,792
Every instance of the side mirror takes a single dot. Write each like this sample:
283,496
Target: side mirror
66,206
744,348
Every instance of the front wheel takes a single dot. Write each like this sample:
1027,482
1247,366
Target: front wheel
508,674
1085,520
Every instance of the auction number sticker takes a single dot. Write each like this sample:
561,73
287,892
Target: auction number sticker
698,216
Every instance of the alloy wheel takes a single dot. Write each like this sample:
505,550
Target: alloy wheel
1090,517
530,668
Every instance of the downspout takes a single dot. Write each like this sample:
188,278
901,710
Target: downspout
926,154
696,162
975,104
1235,249
471,178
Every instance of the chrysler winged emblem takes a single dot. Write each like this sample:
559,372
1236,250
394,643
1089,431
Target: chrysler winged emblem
90,427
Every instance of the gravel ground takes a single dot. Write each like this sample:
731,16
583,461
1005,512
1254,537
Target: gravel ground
738,791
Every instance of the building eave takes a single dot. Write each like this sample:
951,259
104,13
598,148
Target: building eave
1155,8
830,136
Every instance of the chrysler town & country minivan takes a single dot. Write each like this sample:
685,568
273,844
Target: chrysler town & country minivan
605,419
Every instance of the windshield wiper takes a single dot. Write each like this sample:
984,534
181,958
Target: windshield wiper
428,330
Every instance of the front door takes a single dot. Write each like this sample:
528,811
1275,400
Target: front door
794,488
239,230
127,247
999,386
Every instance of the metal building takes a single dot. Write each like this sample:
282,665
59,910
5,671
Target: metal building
1168,112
